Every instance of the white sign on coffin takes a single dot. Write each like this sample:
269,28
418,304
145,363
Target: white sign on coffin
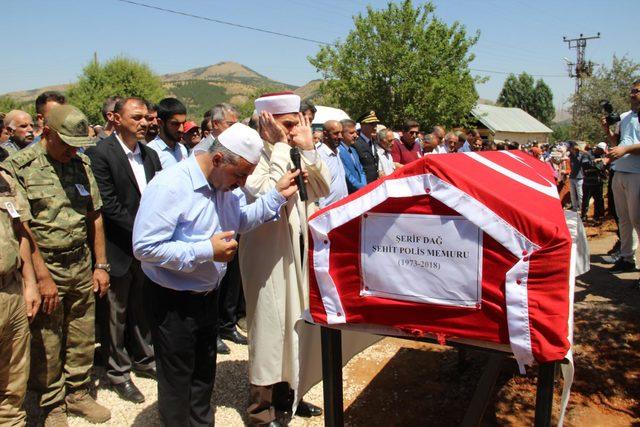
434,259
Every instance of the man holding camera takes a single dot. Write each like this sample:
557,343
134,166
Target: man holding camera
625,155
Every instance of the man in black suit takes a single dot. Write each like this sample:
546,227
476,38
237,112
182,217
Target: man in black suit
123,166
365,146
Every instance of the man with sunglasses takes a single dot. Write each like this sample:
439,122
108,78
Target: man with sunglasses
626,180
407,149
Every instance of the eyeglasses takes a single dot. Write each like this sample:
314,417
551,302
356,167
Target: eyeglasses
635,91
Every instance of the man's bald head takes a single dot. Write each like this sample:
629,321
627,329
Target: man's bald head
331,124
332,130
20,127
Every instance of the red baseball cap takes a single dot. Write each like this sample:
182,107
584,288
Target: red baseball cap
190,125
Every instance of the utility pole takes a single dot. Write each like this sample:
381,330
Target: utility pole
581,68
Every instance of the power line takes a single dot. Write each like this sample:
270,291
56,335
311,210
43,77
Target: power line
219,21
275,33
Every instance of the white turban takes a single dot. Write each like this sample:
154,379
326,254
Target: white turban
278,103
243,141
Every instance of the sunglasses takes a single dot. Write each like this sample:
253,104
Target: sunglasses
635,91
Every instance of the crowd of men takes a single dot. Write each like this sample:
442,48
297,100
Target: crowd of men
158,238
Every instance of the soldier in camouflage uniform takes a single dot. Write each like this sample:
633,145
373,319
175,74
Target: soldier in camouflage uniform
65,205
17,289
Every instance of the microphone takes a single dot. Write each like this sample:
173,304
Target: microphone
295,158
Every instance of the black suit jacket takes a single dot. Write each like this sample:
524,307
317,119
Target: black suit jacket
120,196
368,158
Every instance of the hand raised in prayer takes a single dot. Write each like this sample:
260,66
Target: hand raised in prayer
224,246
270,130
286,185
302,134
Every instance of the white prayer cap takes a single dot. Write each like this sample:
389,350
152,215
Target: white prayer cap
602,146
278,103
243,141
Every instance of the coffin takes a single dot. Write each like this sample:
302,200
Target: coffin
458,246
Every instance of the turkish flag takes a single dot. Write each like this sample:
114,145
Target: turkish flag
428,280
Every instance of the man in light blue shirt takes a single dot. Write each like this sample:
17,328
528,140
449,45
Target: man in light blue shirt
626,179
184,236
172,115
328,150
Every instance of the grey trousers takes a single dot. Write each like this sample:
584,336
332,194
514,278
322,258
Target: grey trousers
128,337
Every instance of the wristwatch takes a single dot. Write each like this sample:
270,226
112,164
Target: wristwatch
105,267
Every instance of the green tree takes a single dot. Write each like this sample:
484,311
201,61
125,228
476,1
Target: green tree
402,62
607,83
534,97
7,104
561,132
118,76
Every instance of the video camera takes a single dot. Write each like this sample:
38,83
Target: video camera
612,118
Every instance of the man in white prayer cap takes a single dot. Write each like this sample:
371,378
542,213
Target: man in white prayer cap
184,234
273,264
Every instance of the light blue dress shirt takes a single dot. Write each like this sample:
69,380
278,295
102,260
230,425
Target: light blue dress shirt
338,186
168,157
179,212
629,135
356,178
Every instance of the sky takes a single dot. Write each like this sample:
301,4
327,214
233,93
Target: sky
51,40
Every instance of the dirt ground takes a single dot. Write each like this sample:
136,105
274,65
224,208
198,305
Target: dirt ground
403,383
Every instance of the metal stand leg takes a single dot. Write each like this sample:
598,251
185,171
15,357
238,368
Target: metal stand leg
484,391
544,394
332,377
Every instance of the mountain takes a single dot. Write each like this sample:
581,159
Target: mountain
199,88
309,91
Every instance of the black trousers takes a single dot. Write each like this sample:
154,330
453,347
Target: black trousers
595,191
127,334
231,305
183,328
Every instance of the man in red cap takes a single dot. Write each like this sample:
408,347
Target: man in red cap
191,136
273,264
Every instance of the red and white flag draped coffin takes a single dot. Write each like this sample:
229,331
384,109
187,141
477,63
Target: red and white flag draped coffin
522,264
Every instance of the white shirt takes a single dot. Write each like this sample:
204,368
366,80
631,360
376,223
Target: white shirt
338,186
386,162
440,149
135,161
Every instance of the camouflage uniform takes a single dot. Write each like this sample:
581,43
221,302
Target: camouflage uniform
60,196
14,326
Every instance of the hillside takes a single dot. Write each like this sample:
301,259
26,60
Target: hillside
199,88
309,91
